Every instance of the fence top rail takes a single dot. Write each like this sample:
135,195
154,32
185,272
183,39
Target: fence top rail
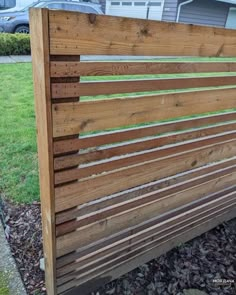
74,33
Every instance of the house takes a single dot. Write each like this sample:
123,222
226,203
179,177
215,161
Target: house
220,13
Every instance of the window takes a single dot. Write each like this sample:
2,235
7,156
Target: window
126,3
154,4
115,3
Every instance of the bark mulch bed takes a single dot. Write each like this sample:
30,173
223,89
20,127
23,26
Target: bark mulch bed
192,265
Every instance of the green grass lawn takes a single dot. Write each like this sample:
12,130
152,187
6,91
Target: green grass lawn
18,157
4,290
18,150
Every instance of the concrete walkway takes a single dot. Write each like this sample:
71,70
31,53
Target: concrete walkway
27,58
14,59
8,269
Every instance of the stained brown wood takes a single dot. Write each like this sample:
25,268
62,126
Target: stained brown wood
40,57
85,266
74,33
120,198
71,241
127,148
133,233
91,210
150,233
75,69
67,196
73,118
126,161
69,145
69,90
203,224
140,200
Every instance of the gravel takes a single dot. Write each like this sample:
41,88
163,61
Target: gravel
188,269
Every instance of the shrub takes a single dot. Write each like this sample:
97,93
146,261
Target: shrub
14,44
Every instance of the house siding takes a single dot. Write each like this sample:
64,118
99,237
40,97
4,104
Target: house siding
103,5
205,12
170,10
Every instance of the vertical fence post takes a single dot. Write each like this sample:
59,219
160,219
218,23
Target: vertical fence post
41,74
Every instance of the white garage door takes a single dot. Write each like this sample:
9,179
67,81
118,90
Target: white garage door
136,8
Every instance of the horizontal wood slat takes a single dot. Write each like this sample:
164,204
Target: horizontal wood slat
91,210
150,247
137,159
134,232
69,145
129,243
141,200
69,90
152,235
73,118
71,241
90,34
122,149
67,196
147,165
75,69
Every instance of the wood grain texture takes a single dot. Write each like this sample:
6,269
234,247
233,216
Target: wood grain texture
138,146
110,272
135,159
73,118
74,33
105,204
104,138
150,233
75,69
131,217
86,269
41,75
68,196
133,233
69,90
140,200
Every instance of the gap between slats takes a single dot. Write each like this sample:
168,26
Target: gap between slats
90,209
67,195
140,251
78,268
63,146
103,228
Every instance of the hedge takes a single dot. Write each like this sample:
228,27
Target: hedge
14,44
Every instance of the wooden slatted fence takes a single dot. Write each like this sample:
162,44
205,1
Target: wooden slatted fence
133,159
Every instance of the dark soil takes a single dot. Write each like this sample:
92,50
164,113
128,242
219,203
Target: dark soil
192,265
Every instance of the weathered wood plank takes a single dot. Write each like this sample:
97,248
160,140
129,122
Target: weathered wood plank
73,118
69,145
75,69
68,196
69,90
41,74
74,33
